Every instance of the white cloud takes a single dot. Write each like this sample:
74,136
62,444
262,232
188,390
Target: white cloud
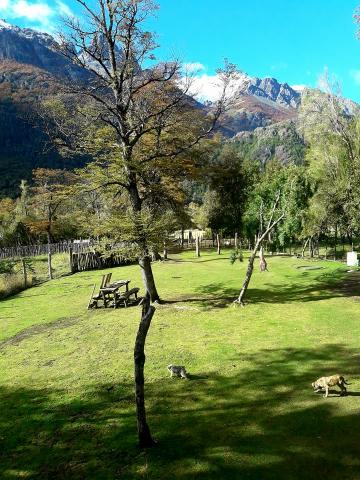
206,87
299,88
209,87
194,67
64,9
39,13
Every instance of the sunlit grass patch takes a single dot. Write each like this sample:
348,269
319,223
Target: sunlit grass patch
247,411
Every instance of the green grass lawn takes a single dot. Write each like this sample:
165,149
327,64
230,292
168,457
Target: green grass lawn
37,272
247,412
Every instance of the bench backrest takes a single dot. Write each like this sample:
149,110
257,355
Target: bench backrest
105,280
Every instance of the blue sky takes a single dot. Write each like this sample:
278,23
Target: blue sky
290,40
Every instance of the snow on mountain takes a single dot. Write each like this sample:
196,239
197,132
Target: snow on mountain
5,25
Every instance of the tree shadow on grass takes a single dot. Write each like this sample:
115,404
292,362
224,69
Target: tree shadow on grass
322,287
264,422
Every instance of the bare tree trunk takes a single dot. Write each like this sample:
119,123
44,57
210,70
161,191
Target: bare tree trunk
335,242
50,273
197,246
304,247
311,247
236,241
144,435
148,278
218,243
182,238
155,256
271,224
263,263
165,252
247,278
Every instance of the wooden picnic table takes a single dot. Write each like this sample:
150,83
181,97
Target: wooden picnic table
111,294
118,284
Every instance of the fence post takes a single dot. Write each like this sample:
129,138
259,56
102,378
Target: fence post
71,260
218,243
49,262
197,246
24,272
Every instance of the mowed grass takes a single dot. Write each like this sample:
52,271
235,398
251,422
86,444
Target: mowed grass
248,410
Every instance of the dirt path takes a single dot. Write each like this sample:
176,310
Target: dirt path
38,329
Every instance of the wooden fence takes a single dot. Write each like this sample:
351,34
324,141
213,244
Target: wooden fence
43,249
83,261
207,243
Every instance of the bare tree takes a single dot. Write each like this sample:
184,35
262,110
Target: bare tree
262,235
143,104
137,103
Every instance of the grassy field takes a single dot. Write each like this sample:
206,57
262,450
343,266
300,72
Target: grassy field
37,272
248,410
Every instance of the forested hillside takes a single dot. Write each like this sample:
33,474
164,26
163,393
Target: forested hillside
23,145
30,63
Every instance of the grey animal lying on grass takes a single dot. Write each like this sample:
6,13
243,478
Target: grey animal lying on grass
326,382
177,370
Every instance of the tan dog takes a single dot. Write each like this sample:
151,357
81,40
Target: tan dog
327,382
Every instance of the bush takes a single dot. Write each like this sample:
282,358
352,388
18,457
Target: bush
11,284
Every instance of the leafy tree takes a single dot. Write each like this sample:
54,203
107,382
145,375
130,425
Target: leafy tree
14,215
278,201
142,125
48,199
331,127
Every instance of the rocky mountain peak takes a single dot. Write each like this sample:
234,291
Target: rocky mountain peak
270,89
5,25
30,47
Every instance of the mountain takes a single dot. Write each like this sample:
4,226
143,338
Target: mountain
256,102
24,147
30,65
269,89
280,140
30,47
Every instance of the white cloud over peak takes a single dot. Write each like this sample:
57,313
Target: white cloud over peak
299,88
194,67
39,13
206,87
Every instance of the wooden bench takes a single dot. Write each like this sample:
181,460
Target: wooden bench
125,297
94,299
